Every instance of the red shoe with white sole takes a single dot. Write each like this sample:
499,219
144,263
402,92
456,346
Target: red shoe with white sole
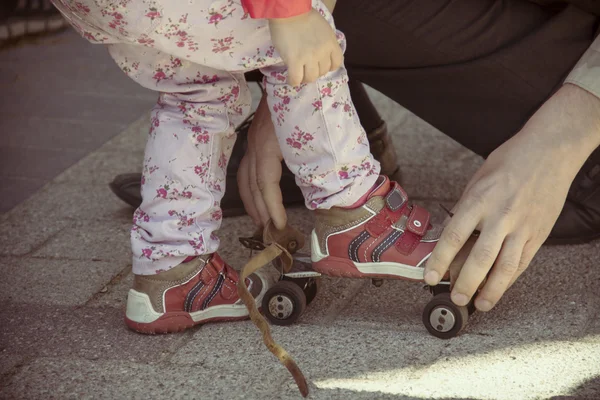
195,292
385,237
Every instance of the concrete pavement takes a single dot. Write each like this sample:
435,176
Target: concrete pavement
66,270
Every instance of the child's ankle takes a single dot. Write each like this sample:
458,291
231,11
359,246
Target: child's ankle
381,187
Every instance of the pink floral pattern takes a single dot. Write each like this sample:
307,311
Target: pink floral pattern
300,140
214,17
195,58
176,30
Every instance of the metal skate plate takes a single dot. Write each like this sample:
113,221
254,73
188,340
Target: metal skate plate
302,267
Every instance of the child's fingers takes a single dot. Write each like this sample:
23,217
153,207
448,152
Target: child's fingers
311,72
324,65
295,73
337,58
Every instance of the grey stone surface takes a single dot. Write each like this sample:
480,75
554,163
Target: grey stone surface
20,237
26,162
57,133
114,294
132,139
440,183
16,190
67,97
66,271
74,378
47,281
101,167
8,361
72,201
93,333
79,241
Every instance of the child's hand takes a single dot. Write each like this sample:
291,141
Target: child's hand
308,46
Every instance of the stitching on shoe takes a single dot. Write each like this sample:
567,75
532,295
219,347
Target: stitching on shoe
330,229
189,304
216,290
386,244
157,300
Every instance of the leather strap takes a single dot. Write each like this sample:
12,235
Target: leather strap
274,239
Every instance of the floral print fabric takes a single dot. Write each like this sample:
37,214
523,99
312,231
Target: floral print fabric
194,53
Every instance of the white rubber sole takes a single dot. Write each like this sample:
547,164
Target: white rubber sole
380,268
139,308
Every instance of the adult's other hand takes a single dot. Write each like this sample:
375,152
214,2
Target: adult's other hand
259,173
516,196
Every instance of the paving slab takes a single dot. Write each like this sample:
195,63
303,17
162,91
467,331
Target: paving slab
132,139
46,281
114,294
74,378
80,241
99,167
71,201
25,162
16,190
19,236
355,341
97,333
60,112
8,360
58,133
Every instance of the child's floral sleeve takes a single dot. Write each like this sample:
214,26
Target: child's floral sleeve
276,8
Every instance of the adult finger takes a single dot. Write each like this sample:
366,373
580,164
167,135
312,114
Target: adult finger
478,264
505,267
453,237
254,189
529,252
243,179
268,178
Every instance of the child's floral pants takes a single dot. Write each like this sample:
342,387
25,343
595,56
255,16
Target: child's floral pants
194,53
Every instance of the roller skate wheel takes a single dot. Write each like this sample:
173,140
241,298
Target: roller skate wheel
284,303
443,318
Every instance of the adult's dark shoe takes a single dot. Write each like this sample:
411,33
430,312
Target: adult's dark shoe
579,221
127,186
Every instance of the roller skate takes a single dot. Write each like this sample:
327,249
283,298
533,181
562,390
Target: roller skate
384,238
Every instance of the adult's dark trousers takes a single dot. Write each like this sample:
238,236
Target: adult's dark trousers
474,69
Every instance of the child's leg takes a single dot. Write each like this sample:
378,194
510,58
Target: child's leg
320,135
190,141
365,226
321,138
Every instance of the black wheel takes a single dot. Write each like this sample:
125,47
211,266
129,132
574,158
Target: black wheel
284,303
443,318
311,289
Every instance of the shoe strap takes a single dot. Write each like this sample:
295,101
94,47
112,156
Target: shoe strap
396,198
418,221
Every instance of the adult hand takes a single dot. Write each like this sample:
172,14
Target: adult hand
516,196
259,173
